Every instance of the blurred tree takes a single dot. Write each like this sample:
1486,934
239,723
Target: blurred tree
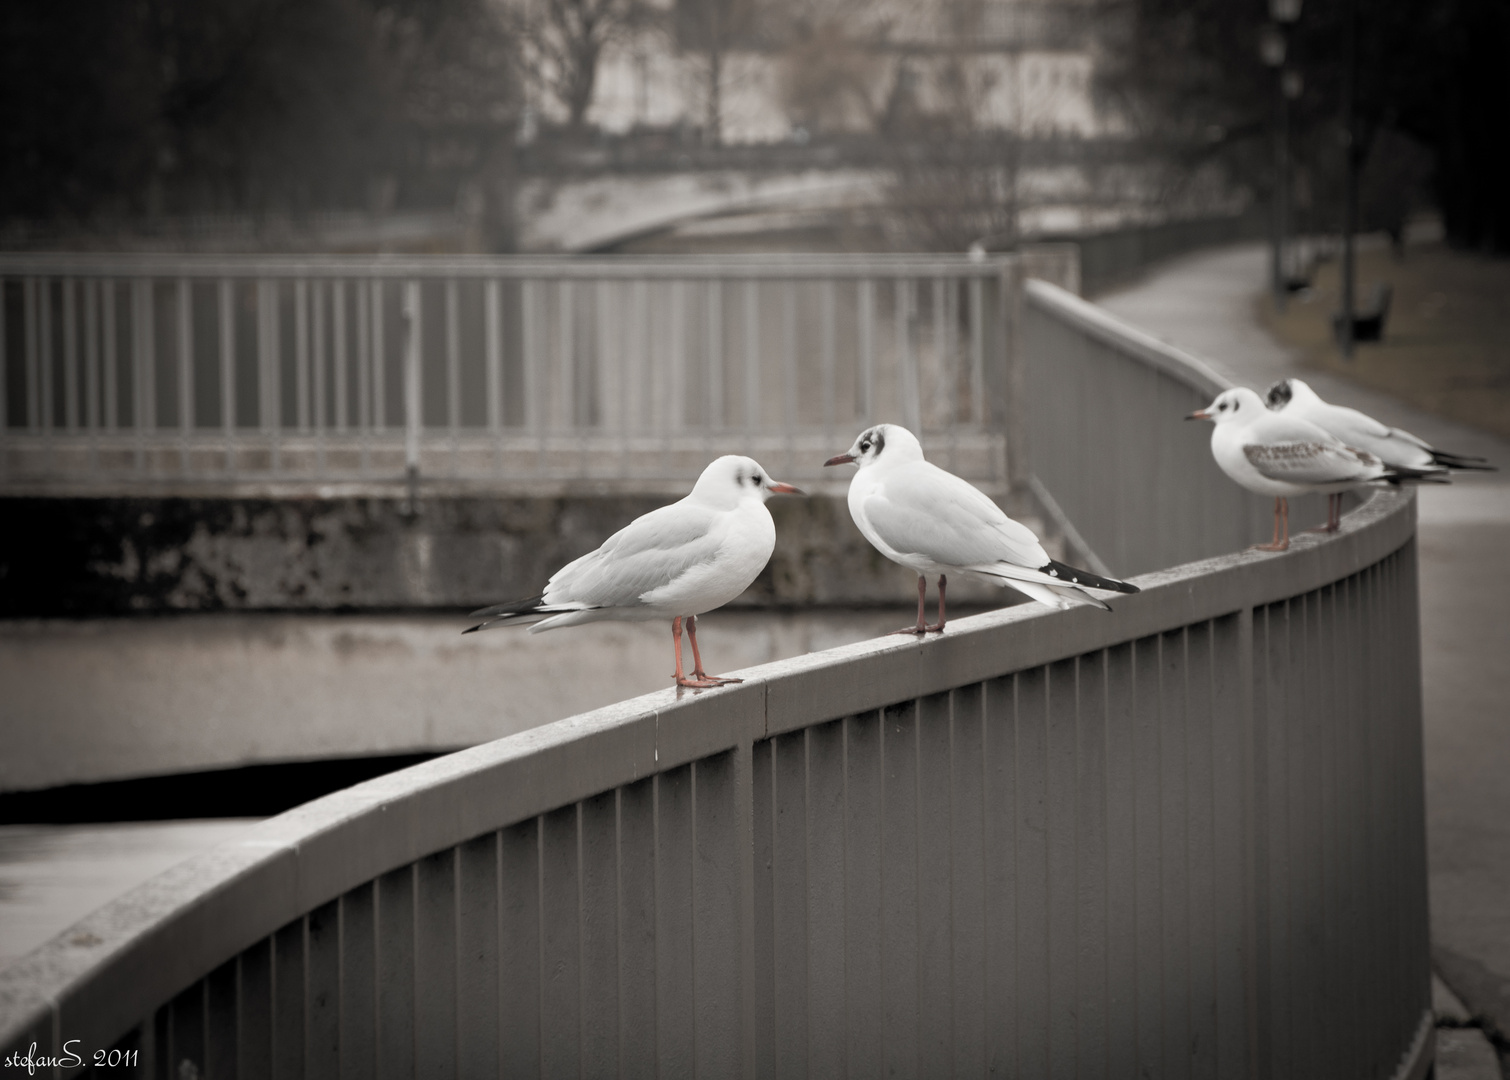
565,40
1190,72
953,177
832,83
1458,104
78,93
713,28
180,105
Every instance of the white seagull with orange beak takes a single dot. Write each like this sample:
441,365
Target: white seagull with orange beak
673,563
1274,453
932,522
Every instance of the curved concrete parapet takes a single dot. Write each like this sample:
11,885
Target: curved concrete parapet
1202,834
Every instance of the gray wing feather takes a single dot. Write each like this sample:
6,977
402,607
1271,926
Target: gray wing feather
1350,424
646,554
1313,462
1364,432
924,510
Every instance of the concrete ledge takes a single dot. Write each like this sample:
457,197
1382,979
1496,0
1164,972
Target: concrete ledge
82,557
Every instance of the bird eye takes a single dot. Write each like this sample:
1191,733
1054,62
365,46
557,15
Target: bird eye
864,446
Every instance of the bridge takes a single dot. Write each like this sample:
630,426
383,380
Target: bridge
1185,838
590,199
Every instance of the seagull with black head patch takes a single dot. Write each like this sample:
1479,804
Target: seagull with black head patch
1393,446
932,522
1274,453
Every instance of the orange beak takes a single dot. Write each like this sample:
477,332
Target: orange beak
1199,414
784,489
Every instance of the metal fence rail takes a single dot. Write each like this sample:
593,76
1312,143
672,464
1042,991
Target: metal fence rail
487,369
1183,839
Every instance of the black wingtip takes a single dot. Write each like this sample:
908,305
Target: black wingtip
1462,462
1072,575
1400,474
508,607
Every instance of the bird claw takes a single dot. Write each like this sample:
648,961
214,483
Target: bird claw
1284,546
919,631
701,681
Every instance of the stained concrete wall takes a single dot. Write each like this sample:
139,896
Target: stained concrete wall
113,556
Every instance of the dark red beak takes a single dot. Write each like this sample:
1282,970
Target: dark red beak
839,459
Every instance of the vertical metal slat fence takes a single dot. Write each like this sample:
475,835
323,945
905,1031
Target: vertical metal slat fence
527,368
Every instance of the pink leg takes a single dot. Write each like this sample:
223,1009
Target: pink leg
938,628
922,625
697,660
676,637
1333,515
1281,506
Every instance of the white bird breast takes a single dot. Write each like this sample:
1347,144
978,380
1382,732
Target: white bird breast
739,548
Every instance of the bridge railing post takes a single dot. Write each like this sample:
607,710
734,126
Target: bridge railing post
413,413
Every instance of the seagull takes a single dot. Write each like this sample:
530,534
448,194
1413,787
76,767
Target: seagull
1292,397
1275,453
674,563
932,522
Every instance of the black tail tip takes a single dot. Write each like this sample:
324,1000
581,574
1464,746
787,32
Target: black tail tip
510,607
1462,463
1402,475
1072,575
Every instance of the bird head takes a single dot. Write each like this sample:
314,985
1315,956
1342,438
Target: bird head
730,480
1292,391
1280,393
1237,404
896,443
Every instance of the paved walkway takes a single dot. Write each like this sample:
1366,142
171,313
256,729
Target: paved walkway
1206,304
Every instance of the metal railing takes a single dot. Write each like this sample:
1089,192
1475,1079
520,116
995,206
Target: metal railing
1108,452
487,370
1182,839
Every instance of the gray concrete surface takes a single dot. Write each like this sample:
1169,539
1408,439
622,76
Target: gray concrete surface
52,876
1206,304
109,699
1464,1052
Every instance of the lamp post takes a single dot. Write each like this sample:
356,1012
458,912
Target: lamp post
1352,161
1273,44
